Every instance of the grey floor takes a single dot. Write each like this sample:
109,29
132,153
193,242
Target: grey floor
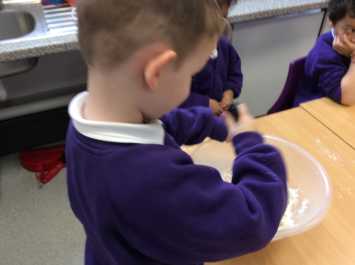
37,226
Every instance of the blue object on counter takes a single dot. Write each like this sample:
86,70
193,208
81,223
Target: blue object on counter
53,2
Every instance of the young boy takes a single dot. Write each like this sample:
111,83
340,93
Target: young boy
221,80
140,198
330,65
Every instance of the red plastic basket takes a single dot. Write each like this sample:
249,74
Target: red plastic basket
46,163
71,2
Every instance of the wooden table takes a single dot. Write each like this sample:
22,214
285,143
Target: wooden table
339,119
333,241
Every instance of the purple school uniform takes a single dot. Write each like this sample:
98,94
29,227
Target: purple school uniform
142,200
324,70
220,74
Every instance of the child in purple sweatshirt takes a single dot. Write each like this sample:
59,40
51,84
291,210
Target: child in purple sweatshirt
330,65
221,80
139,197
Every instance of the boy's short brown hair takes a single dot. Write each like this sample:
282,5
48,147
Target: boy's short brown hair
110,31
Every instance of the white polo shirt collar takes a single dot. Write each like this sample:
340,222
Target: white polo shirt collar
152,133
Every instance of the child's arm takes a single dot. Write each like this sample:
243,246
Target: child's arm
191,216
233,86
196,99
348,86
330,80
338,80
193,125
348,81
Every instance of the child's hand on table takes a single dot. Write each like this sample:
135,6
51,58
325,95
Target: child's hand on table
245,123
215,106
344,46
227,99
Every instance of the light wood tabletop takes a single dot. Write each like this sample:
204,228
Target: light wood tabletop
338,118
333,241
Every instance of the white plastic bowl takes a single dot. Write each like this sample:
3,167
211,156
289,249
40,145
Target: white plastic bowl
305,173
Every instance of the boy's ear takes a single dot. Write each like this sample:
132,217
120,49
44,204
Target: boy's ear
156,65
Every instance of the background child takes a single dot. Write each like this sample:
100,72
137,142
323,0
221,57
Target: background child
221,80
330,65
140,198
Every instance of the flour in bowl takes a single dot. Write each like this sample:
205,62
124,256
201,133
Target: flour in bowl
296,204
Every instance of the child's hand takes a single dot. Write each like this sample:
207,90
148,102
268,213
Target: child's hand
244,124
227,99
339,46
343,45
215,106
350,45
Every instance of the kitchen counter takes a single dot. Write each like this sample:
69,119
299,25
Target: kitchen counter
247,10
56,41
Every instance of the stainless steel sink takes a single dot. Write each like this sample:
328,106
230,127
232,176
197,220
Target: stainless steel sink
20,21
15,24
